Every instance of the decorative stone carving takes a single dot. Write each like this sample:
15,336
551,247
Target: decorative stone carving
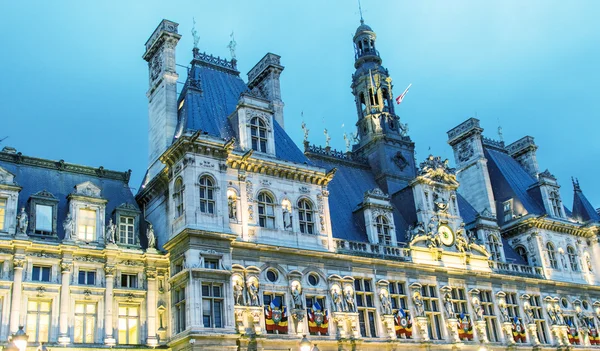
249,199
41,291
418,302
296,292
415,232
305,130
69,227
111,233
150,273
19,262
109,270
87,293
337,302
65,266
151,237
22,222
448,305
384,298
252,288
434,169
238,290
441,204
349,298
400,161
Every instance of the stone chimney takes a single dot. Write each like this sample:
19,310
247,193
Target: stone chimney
162,92
263,80
523,151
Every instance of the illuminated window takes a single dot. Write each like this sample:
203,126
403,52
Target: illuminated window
178,197
2,213
87,224
126,230
38,320
266,210
306,217
432,311
494,247
552,255
179,309
43,219
207,195
383,230
572,258
212,305
129,322
365,307
491,322
258,133
85,322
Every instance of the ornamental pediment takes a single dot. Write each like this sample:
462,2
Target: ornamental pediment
87,189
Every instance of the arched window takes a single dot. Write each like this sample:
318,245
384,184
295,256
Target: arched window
306,217
572,258
266,210
552,255
178,197
207,194
494,246
383,230
232,205
555,200
258,132
521,251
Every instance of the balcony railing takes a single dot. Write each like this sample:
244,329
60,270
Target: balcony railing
516,269
372,250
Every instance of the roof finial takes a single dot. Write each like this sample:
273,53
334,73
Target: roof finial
304,128
362,21
195,33
231,46
327,137
576,186
347,140
500,136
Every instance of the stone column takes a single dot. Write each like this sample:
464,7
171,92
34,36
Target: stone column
422,325
109,272
63,336
452,325
151,308
15,308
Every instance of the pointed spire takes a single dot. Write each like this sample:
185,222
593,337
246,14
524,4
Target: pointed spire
576,186
362,21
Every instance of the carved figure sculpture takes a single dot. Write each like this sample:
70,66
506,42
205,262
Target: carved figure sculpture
69,227
349,297
559,315
297,295
504,313
23,222
418,301
414,232
449,306
477,309
386,305
336,298
238,292
252,287
462,245
151,237
588,261
287,219
111,232
528,312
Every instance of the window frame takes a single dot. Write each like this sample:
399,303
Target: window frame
383,229
365,306
306,216
212,300
179,302
86,276
38,314
431,306
3,210
84,317
43,198
495,248
259,142
552,255
207,187
129,279
573,258
538,316
128,317
40,275
263,205
179,197
80,218
486,298
124,233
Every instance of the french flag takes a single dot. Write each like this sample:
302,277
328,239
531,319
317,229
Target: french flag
401,97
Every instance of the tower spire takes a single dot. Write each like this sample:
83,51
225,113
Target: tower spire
362,21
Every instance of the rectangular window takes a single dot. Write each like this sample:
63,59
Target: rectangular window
40,274
126,232
38,320
507,207
212,305
276,299
538,317
491,322
179,309
2,213
432,311
512,305
43,219
129,281
365,307
87,224
128,325
85,323
211,263
318,314
87,278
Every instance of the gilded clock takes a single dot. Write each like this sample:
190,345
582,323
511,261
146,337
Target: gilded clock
446,235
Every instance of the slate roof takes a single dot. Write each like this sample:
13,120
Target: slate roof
35,175
211,94
582,208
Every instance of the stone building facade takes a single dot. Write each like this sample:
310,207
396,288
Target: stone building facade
238,240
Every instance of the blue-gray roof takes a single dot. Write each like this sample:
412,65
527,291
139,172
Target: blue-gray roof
60,183
467,212
582,208
208,107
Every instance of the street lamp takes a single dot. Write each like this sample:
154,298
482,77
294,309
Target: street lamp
315,348
304,344
19,340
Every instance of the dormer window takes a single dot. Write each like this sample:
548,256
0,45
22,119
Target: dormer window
555,201
3,203
552,255
86,224
43,219
258,133
494,247
507,210
521,251
306,217
383,230
207,194
572,258
126,230
43,209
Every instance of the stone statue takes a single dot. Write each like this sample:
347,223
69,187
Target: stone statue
111,232
151,237
477,309
327,137
253,293
462,245
588,261
559,315
287,218
415,232
336,298
504,313
449,306
232,206
232,44
305,130
69,227
528,312
23,222
386,306
347,141
238,293
418,301
349,297
297,295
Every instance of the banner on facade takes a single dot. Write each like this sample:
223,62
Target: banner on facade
276,317
465,327
403,324
519,332
318,320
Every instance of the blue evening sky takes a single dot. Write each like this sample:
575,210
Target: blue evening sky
74,83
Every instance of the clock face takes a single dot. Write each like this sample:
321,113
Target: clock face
446,235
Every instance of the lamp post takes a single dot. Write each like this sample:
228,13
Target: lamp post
304,344
18,341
